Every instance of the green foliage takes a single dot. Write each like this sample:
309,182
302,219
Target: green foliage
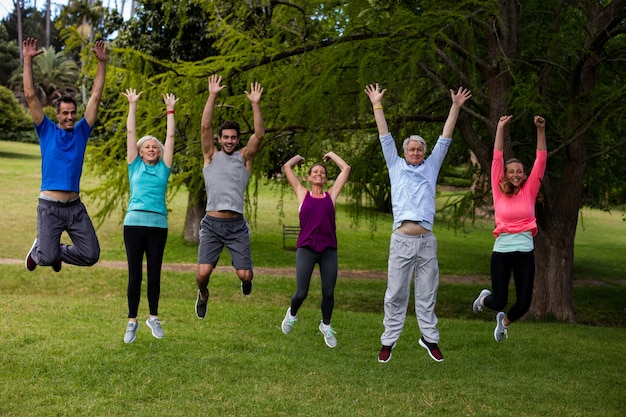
9,55
54,75
15,122
33,26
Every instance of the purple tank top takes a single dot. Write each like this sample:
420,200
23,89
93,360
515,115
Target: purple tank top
317,223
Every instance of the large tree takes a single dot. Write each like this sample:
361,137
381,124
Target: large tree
562,59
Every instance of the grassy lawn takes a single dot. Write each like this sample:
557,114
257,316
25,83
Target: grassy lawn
62,354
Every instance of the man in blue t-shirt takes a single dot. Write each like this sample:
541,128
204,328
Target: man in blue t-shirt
62,148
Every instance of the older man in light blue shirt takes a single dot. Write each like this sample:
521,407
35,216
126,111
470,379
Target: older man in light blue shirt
413,247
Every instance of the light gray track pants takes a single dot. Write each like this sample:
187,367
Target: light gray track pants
411,256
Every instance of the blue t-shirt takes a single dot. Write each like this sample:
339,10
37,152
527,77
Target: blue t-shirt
62,154
148,184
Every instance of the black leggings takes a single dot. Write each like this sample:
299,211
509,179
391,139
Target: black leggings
151,241
306,259
522,264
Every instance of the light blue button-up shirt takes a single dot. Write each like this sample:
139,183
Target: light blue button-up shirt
413,187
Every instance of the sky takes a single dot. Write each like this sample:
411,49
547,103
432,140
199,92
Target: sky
6,6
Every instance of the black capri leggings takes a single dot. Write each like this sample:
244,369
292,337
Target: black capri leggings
522,265
151,241
306,259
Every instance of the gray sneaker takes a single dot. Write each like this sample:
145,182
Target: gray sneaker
201,306
155,325
288,322
478,305
329,336
131,330
501,331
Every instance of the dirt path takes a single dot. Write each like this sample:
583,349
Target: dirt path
343,273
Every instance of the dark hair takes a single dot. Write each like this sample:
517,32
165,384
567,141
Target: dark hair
229,124
64,99
318,165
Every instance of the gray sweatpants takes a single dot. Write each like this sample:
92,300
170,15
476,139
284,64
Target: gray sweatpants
411,256
53,218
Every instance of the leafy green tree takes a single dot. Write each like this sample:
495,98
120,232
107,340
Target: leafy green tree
9,56
33,26
15,122
54,75
560,59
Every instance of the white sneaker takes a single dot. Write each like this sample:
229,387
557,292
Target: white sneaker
478,305
155,325
131,330
329,335
501,331
288,322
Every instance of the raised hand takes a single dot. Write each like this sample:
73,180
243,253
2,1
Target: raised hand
374,93
132,95
215,84
100,50
255,93
169,100
29,48
461,96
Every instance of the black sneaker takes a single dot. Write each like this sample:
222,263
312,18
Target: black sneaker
433,350
246,287
29,262
57,266
201,306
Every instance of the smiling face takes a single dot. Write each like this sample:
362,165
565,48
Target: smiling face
66,115
228,140
317,174
514,174
150,151
414,152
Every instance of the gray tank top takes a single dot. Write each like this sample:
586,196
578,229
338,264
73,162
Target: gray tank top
225,180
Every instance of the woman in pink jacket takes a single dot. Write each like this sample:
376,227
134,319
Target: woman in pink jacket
514,197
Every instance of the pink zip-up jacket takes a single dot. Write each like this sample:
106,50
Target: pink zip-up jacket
515,213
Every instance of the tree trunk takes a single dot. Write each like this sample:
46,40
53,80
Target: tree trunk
195,212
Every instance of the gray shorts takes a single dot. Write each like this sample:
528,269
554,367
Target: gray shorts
215,233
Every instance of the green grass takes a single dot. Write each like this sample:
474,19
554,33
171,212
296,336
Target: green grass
62,354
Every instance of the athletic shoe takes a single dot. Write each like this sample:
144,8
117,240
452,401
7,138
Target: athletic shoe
433,350
57,266
385,353
288,322
501,331
329,336
155,325
246,287
201,306
131,330
29,262
478,305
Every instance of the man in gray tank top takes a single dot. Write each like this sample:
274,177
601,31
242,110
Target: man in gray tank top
226,173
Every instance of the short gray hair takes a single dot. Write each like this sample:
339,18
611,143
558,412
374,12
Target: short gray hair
414,138
141,141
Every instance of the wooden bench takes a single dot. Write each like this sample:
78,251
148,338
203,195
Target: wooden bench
290,232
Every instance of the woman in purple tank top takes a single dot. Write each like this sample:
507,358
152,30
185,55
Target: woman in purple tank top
317,242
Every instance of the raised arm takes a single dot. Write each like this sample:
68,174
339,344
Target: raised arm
206,129
458,99
91,111
131,132
376,98
342,178
540,123
298,188
168,147
498,144
254,143
30,51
